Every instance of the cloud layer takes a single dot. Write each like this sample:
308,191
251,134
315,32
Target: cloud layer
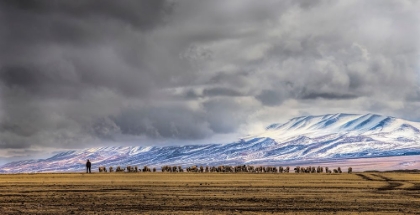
75,74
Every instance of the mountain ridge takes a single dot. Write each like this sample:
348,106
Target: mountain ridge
301,139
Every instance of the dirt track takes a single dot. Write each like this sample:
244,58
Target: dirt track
186,193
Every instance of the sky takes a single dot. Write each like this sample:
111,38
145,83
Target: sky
78,74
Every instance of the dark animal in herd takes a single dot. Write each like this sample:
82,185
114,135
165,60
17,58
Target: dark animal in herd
311,169
103,169
228,169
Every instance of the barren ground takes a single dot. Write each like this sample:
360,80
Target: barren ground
210,193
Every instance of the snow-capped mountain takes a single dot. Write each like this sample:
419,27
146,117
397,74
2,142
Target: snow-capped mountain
300,140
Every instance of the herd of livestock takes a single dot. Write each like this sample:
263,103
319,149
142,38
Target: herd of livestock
227,169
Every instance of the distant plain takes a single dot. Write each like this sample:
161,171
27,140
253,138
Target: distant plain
210,193
388,163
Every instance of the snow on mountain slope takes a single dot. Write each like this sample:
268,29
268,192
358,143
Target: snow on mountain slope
351,124
302,139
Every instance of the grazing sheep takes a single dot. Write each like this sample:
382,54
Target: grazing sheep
271,169
308,169
102,169
213,169
168,169
146,169
274,169
192,169
229,169
130,169
119,169
133,169
247,168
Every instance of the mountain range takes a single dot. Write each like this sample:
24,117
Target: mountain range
301,140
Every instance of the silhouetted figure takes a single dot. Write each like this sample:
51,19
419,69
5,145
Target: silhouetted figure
88,165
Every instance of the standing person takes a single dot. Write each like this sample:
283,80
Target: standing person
88,165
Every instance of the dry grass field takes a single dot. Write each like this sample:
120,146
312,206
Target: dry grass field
210,193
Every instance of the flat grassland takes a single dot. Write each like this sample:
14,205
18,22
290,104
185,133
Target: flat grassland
210,193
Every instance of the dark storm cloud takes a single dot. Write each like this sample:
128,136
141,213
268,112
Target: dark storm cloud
270,97
35,82
40,44
328,96
73,21
212,92
74,74
163,122
60,61
306,4
414,95
219,91
222,115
